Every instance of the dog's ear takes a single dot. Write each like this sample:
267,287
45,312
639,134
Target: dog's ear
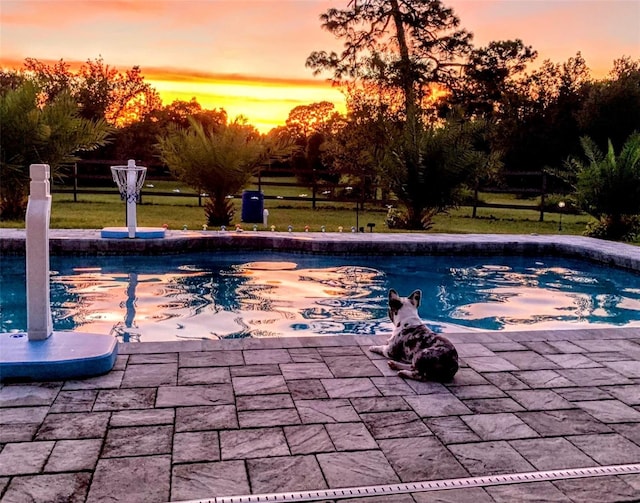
394,304
415,298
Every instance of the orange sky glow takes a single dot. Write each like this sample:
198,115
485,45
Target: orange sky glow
247,56
266,102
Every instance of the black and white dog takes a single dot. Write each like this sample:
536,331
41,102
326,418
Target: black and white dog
415,351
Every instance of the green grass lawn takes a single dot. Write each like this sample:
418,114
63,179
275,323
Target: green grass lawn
97,211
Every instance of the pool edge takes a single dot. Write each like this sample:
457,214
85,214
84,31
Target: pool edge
89,242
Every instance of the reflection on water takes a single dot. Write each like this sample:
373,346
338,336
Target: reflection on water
541,296
271,295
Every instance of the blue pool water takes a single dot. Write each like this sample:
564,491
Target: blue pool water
223,295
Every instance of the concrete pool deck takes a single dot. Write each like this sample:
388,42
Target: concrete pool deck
177,421
202,419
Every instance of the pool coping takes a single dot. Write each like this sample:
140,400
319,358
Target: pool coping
89,242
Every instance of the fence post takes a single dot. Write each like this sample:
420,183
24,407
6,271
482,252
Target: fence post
314,189
75,182
543,195
475,202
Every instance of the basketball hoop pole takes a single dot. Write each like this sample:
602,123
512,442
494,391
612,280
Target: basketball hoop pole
132,177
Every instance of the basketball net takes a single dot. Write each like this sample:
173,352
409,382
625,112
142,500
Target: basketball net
129,179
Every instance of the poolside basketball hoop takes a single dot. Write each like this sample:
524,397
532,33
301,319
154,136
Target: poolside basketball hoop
129,179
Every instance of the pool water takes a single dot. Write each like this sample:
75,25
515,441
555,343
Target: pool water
229,295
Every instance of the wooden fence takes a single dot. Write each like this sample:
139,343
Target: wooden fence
100,181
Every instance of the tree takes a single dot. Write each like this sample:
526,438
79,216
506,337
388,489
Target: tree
51,80
490,78
138,139
308,126
608,187
491,89
358,148
10,79
305,120
405,44
102,91
538,127
611,108
218,162
179,111
51,134
452,156
121,98
408,42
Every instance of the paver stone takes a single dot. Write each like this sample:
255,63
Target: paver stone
308,439
144,478
67,487
253,443
196,446
490,458
74,455
24,457
284,474
204,480
360,468
423,458
551,453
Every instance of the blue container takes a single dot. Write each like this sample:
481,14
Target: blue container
252,206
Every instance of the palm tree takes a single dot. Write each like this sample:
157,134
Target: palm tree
608,187
217,161
50,133
452,156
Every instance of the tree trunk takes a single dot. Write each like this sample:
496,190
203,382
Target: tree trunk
411,147
218,210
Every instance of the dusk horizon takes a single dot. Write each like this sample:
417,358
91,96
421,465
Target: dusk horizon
248,57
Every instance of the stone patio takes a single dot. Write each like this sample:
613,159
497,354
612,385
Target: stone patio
198,419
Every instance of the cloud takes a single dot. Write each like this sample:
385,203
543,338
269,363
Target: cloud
63,13
601,30
186,75
266,37
197,76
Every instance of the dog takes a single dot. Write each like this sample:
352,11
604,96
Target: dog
415,351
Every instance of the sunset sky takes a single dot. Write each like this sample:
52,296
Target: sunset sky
248,56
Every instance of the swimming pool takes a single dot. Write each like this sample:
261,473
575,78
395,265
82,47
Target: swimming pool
271,294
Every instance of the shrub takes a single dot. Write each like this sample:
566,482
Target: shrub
396,219
608,186
625,229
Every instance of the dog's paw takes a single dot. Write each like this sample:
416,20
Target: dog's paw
393,365
377,349
408,374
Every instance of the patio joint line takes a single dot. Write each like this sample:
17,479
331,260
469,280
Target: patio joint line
429,485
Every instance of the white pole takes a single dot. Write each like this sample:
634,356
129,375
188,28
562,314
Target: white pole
131,197
39,322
